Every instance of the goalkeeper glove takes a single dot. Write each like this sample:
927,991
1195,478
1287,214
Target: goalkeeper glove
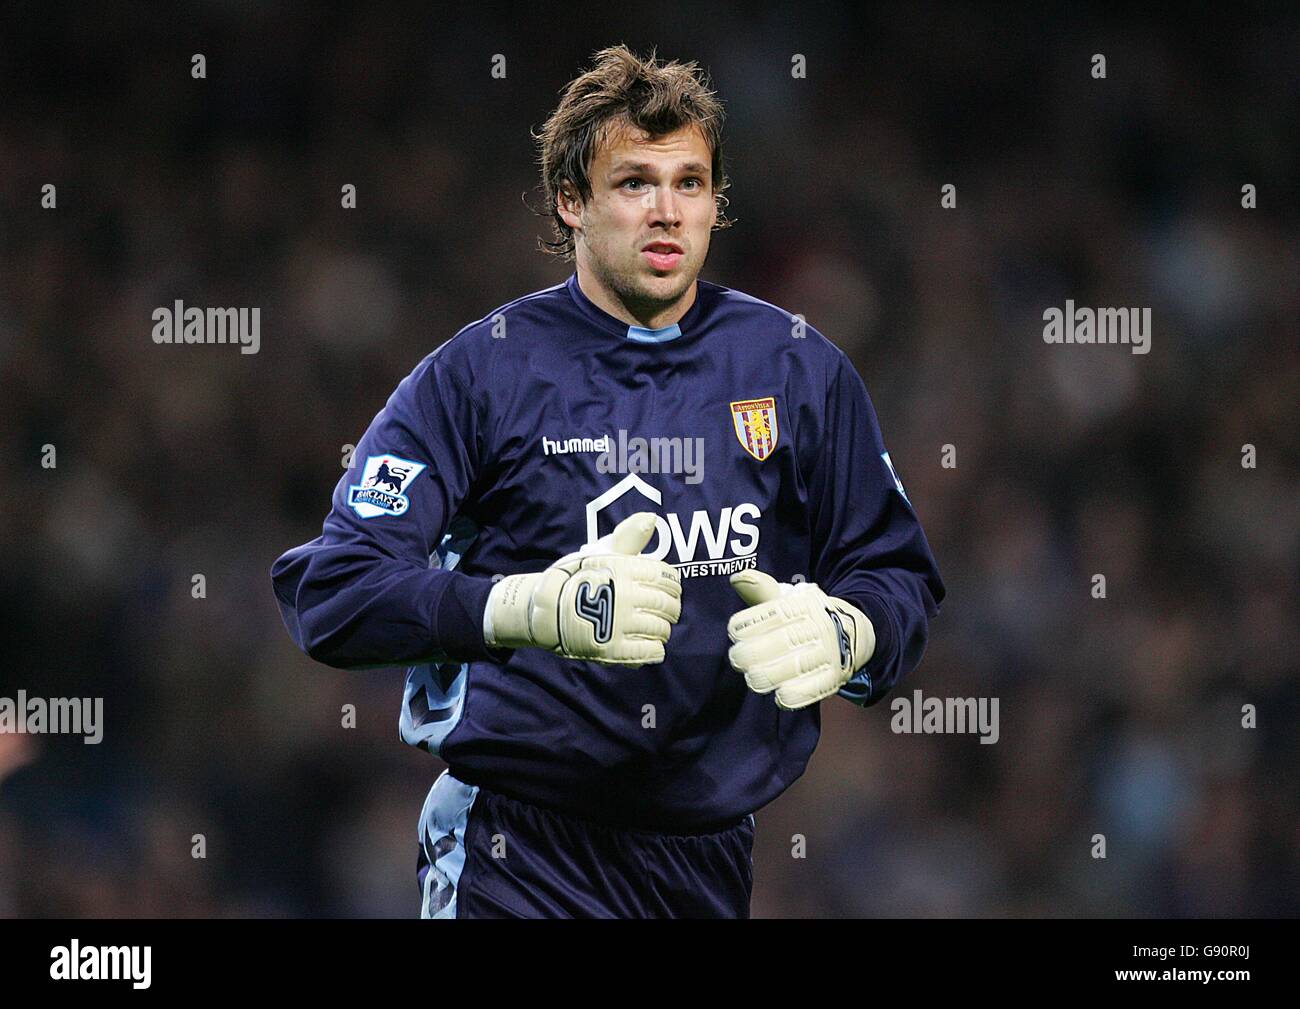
796,640
603,603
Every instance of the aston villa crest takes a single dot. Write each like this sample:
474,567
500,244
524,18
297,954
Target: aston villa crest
755,424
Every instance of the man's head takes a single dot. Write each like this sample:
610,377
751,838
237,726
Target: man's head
632,170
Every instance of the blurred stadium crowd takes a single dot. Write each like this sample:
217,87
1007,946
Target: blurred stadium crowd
1119,716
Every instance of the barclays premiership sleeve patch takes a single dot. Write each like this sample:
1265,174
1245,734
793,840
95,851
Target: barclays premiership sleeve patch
383,486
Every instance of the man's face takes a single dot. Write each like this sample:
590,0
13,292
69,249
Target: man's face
644,234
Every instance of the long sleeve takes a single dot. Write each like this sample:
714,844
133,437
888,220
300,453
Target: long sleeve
868,545
367,591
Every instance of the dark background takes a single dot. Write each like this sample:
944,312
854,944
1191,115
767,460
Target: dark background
1119,716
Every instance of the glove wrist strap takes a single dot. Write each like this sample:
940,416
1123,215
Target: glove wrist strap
506,619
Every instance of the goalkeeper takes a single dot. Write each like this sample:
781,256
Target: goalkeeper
618,662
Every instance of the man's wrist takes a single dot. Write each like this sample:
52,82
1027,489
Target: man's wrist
862,686
506,612
487,622
456,619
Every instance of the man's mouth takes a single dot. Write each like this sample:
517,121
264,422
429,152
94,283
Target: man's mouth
662,255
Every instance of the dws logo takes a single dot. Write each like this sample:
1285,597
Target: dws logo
702,532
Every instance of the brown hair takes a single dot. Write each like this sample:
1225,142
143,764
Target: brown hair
623,89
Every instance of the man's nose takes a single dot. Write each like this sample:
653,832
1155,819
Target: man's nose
663,208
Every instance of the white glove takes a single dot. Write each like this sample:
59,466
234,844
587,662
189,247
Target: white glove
796,640
602,604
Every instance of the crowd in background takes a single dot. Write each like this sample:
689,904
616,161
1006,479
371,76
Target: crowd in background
1120,717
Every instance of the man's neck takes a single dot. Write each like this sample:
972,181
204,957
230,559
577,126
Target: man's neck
648,317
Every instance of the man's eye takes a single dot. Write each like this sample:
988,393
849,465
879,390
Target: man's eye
699,184
631,182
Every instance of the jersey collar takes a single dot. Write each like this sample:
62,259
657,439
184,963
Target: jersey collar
634,334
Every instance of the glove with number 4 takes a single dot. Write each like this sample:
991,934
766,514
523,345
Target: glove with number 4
795,639
604,603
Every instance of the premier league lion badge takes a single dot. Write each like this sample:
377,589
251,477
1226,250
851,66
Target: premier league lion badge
382,490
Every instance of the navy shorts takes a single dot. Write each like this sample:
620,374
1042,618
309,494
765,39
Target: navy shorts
485,855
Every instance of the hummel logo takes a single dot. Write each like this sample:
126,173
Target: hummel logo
555,446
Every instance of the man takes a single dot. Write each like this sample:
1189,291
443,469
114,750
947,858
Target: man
613,450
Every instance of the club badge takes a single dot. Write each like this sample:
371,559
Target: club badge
754,421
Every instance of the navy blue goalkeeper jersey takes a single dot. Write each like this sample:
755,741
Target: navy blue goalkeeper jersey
536,430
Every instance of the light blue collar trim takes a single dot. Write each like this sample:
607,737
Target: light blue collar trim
662,335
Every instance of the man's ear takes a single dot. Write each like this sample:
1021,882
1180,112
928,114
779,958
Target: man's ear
569,206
